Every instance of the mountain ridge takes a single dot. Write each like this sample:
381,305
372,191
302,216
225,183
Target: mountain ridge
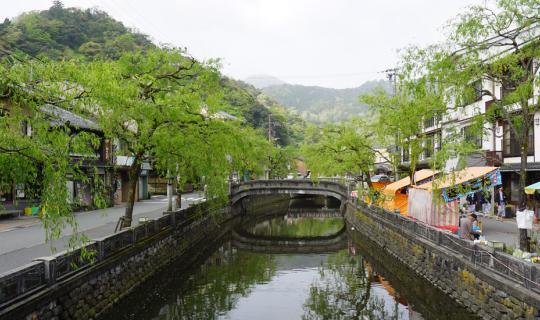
260,81
321,104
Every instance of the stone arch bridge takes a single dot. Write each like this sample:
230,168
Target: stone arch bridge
292,187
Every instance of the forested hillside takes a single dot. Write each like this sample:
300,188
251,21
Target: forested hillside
90,34
260,111
319,105
60,32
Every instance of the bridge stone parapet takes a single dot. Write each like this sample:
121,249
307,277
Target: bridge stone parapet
314,213
321,244
268,187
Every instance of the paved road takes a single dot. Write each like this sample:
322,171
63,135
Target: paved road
505,231
25,241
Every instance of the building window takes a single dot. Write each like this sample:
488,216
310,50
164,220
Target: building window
438,141
429,146
432,121
473,137
473,93
511,148
429,122
406,154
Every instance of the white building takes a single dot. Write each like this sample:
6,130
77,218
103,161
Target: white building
496,145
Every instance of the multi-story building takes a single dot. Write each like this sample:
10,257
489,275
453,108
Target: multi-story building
496,144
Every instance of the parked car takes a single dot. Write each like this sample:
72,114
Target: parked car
381,178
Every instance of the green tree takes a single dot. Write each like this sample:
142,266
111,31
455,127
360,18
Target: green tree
400,118
162,105
36,144
341,149
496,43
59,32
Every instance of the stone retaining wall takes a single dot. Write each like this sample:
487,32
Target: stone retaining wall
54,288
89,290
483,283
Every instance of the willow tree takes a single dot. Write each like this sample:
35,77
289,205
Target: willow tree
341,149
36,145
400,119
497,44
163,107
500,44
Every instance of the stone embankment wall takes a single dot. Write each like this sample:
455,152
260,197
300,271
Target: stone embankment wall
55,288
87,291
490,283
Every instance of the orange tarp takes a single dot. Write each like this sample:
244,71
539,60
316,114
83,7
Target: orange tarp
394,199
418,175
379,185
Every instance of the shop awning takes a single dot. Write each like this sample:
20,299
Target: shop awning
464,182
532,188
418,175
458,177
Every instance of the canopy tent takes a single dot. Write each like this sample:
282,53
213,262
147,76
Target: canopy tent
395,195
535,187
437,203
531,191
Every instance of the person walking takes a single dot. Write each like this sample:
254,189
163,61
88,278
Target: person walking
500,200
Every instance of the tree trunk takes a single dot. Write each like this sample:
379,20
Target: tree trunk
523,241
368,181
133,176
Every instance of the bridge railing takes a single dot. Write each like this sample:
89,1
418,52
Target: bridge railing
292,184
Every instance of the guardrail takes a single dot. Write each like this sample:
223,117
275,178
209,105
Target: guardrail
301,186
23,281
517,270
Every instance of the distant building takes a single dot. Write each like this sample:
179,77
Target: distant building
97,166
382,165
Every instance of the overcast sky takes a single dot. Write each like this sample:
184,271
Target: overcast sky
331,43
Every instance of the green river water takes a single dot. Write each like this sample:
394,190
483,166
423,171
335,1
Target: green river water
229,283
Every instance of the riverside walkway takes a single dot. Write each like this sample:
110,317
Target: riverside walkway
23,241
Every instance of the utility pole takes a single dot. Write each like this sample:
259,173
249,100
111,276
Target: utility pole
391,74
271,140
270,128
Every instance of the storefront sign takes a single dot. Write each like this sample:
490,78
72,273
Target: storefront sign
472,186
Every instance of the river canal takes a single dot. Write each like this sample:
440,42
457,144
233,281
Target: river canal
230,282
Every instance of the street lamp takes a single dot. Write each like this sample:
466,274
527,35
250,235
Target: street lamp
170,180
347,182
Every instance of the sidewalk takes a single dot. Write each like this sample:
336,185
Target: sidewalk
505,231
23,240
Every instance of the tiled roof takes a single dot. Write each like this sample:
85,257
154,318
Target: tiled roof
59,116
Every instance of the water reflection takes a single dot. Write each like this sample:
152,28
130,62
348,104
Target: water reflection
237,284
297,227
343,290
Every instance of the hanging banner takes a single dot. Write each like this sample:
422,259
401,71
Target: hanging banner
472,186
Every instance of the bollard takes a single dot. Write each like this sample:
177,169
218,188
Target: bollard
50,269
